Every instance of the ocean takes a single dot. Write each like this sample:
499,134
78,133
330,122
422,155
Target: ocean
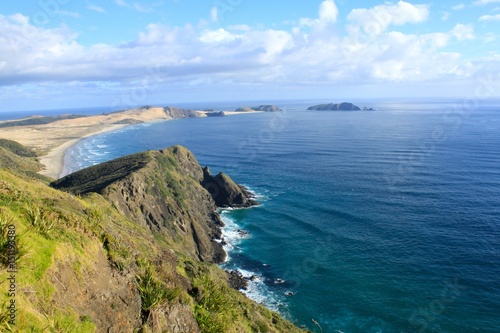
370,221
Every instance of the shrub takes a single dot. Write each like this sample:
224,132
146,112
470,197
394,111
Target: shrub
215,308
153,291
41,220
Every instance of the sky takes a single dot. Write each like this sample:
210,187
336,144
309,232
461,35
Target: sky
57,54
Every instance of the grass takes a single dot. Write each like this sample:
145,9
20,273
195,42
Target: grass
38,120
215,308
153,291
42,220
8,238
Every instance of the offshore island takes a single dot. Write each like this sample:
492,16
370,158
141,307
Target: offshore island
129,245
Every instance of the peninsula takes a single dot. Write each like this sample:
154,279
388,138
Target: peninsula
50,137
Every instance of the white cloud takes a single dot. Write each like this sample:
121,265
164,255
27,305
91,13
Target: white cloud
328,11
445,16
135,6
485,2
217,36
460,6
240,54
376,20
327,15
490,17
214,14
122,3
463,32
96,8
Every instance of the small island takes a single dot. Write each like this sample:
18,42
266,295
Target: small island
264,108
338,107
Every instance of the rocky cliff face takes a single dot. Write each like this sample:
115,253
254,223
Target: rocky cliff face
175,113
225,191
163,190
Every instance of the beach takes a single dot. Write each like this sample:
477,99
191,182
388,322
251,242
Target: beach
50,141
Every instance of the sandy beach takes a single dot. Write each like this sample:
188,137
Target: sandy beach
51,141
54,160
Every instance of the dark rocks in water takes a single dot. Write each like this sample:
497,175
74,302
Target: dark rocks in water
236,280
225,192
242,233
264,107
215,114
289,293
279,281
368,109
335,107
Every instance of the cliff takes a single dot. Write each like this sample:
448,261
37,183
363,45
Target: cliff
225,192
125,246
162,191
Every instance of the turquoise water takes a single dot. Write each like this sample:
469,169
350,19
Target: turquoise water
384,221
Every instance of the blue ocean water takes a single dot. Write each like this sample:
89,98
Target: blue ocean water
371,221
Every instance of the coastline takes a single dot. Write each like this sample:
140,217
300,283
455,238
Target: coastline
52,140
54,160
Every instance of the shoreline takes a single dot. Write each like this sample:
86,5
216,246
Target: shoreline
52,140
53,161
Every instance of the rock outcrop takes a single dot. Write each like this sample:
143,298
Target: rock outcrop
226,192
175,113
215,114
335,107
163,190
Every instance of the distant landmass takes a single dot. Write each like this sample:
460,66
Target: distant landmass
338,107
39,120
265,108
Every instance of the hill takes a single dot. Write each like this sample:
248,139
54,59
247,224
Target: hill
335,107
125,246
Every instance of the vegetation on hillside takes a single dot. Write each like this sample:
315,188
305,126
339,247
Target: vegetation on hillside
41,120
84,267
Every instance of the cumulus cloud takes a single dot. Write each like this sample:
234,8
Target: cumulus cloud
328,11
327,15
185,55
463,32
376,20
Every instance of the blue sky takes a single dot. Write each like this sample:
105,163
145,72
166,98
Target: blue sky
124,53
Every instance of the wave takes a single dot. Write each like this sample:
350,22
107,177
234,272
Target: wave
260,285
